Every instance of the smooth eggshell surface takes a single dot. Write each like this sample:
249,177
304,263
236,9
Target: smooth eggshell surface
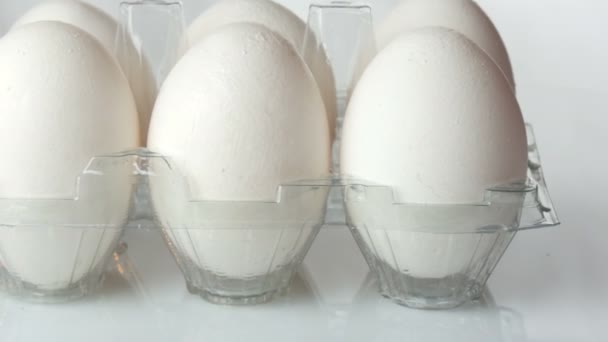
434,118
464,16
63,101
280,20
104,28
239,115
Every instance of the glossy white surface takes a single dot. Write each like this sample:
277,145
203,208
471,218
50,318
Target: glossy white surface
152,304
550,286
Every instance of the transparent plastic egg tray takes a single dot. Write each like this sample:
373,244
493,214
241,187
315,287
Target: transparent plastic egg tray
56,250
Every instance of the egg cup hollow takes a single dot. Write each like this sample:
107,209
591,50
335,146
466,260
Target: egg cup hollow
457,277
433,256
56,250
70,270
235,252
261,273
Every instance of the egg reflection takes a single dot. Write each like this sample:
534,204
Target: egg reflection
375,318
296,316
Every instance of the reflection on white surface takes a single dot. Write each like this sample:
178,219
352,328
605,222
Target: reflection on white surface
145,299
295,317
107,316
378,319
185,317
148,301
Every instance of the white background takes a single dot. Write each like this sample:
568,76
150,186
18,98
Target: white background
556,280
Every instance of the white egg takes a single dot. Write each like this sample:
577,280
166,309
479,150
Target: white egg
464,16
434,118
104,28
239,115
280,20
63,100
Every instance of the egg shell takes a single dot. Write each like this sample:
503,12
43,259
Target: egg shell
280,20
239,115
433,118
63,100
104,28
464,16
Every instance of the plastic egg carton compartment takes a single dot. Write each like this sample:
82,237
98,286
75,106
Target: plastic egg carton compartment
248,252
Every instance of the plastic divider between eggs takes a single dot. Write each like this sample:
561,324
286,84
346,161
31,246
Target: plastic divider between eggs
157,31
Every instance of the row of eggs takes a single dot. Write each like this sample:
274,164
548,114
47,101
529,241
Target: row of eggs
434,114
